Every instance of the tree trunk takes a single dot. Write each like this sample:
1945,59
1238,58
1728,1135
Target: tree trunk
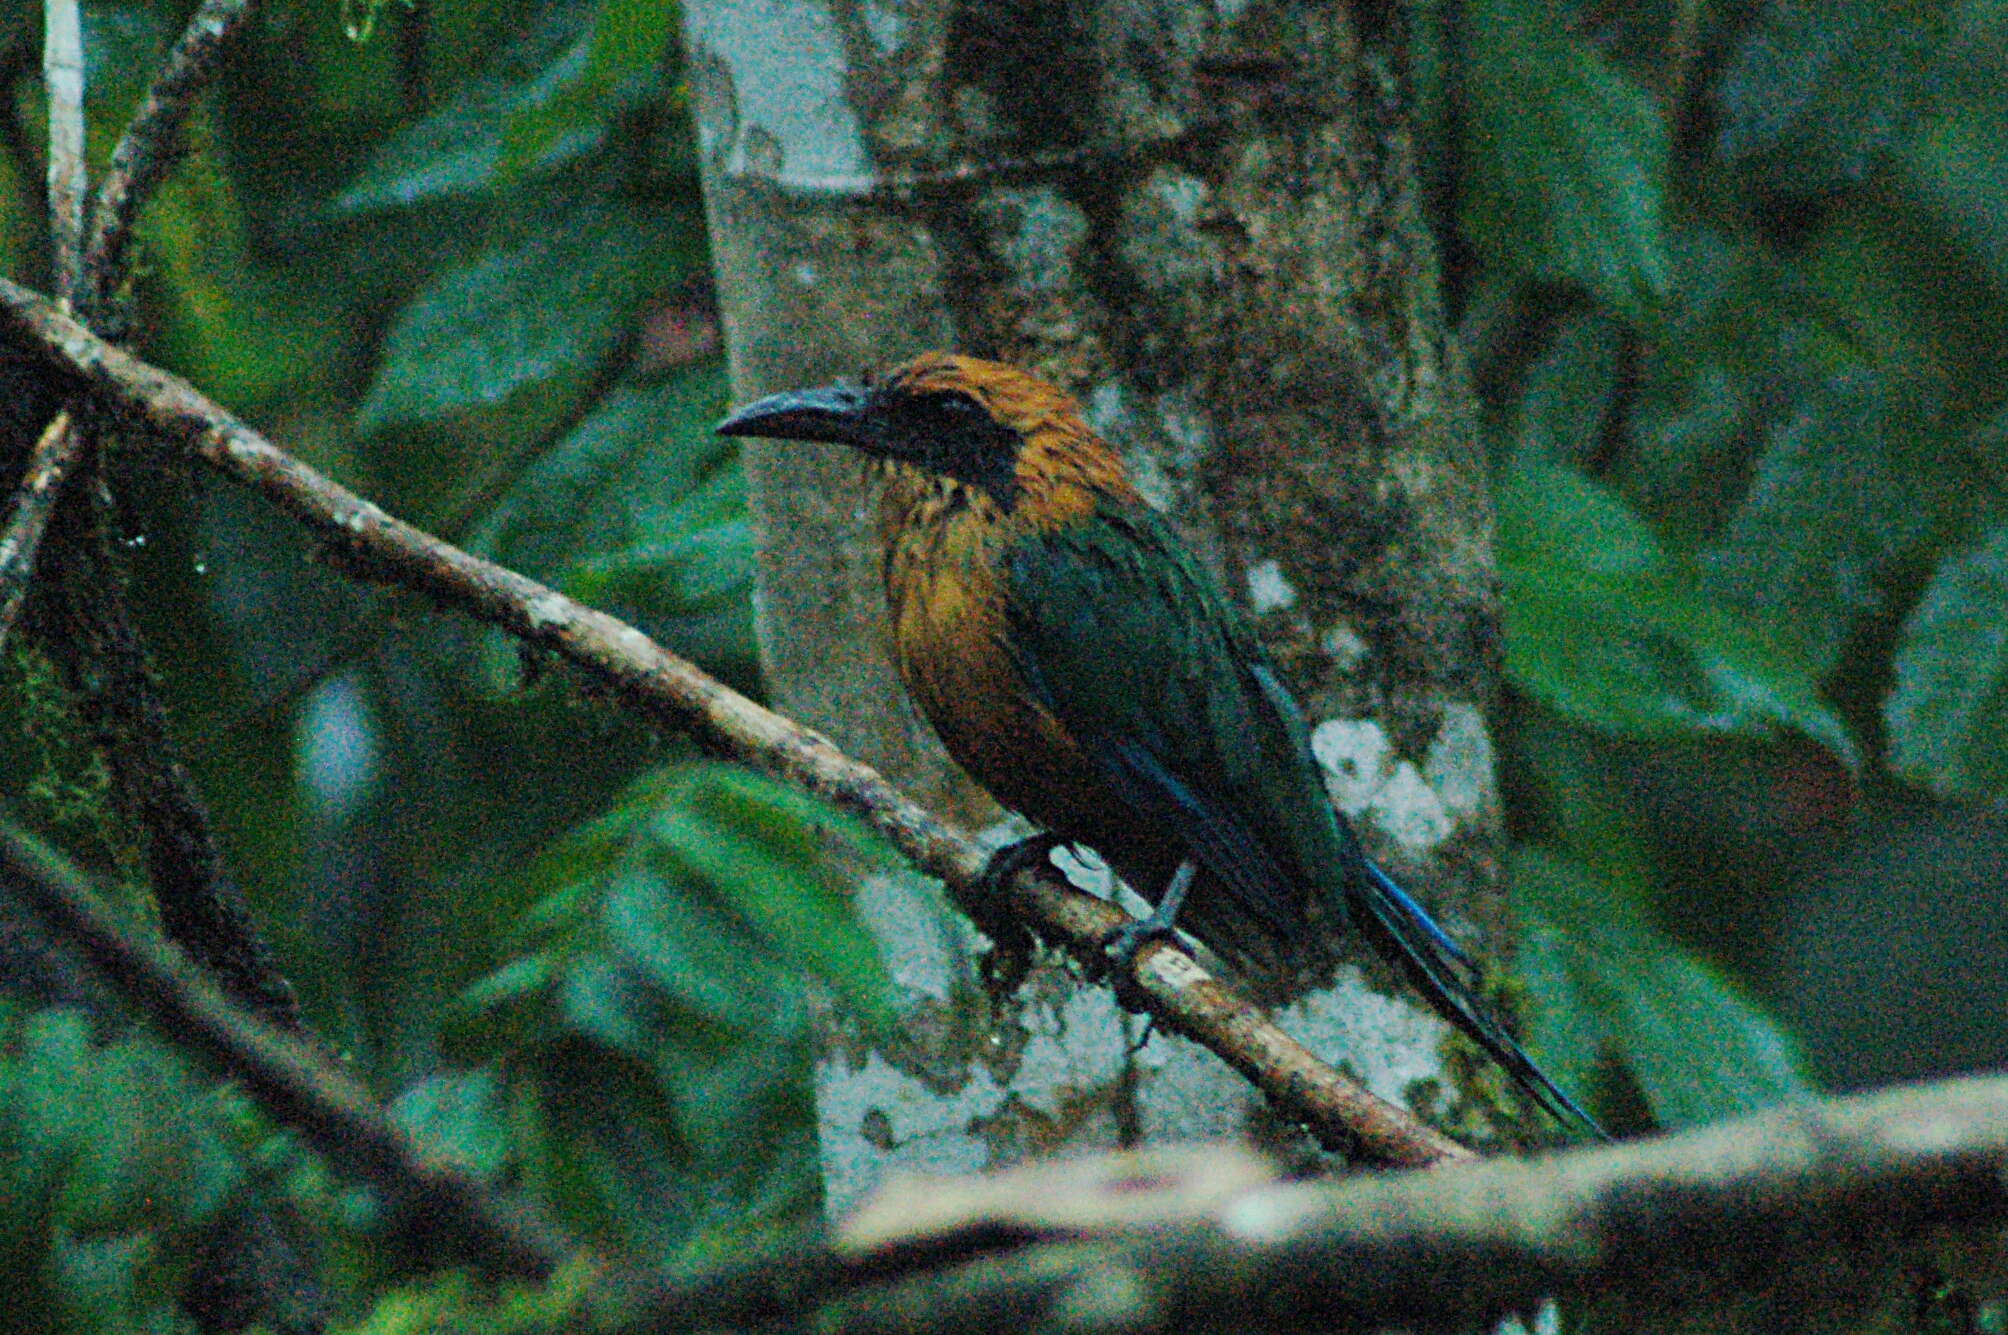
1205,221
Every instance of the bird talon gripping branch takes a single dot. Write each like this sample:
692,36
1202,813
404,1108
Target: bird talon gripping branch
1086,670
1020,855
1010,955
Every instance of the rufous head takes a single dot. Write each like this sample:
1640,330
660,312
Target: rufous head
961,417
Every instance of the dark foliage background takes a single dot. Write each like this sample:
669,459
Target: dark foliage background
1731,276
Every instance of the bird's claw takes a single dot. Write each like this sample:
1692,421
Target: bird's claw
1010,955
1016,856
1121,947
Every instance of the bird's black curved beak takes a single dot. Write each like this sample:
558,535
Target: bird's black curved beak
839,414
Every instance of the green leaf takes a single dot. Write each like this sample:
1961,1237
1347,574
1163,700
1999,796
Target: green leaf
612,66
640,511
115,1166
456,1116
706,570
1568,393
1566,157
1609,982
1842,488
688,950
759,849
550,299
228,326
1820,89
456,1303
1948,714
1957,168
653,1033
1604,628
698,897
459,149
620,478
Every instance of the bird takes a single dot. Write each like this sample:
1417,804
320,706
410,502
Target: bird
1088,672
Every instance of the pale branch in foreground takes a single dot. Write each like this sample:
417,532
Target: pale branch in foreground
672,693
1807,1211
283,1072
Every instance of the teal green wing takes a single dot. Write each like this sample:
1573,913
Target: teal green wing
1137,653
1142,660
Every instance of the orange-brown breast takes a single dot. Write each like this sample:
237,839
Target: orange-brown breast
945,545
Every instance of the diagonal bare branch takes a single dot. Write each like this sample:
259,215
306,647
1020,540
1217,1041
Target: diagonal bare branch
671,693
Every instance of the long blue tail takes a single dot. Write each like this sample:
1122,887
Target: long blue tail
1448,977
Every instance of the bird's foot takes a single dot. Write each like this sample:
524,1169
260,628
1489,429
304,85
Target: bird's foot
1005,964
1008,861
1122,945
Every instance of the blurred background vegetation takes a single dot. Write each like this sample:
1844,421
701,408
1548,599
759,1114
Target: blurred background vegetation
1731,277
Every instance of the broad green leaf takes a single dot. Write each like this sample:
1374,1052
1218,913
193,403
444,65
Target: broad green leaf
116,1166
685,947
1842,487
602,1143
226,325
1581,803
613,65
1820,89
1604,628
1566,159
652,1029
1948,715
705,570
642,472
456,1303
1957,167
1567,396
759,847
548,299
456,1116
1610,983
1559,520
640,510
699,895
458,149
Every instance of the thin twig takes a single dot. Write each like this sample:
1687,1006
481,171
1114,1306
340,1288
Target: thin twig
41,482
63,76
670,692
151,143
323,1102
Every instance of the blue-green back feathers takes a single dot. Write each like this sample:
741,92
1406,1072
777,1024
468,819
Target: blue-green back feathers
1137,653
1161,681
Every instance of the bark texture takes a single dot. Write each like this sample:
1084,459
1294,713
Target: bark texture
1205,221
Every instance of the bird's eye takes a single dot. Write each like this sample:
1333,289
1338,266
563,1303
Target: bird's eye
956,404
